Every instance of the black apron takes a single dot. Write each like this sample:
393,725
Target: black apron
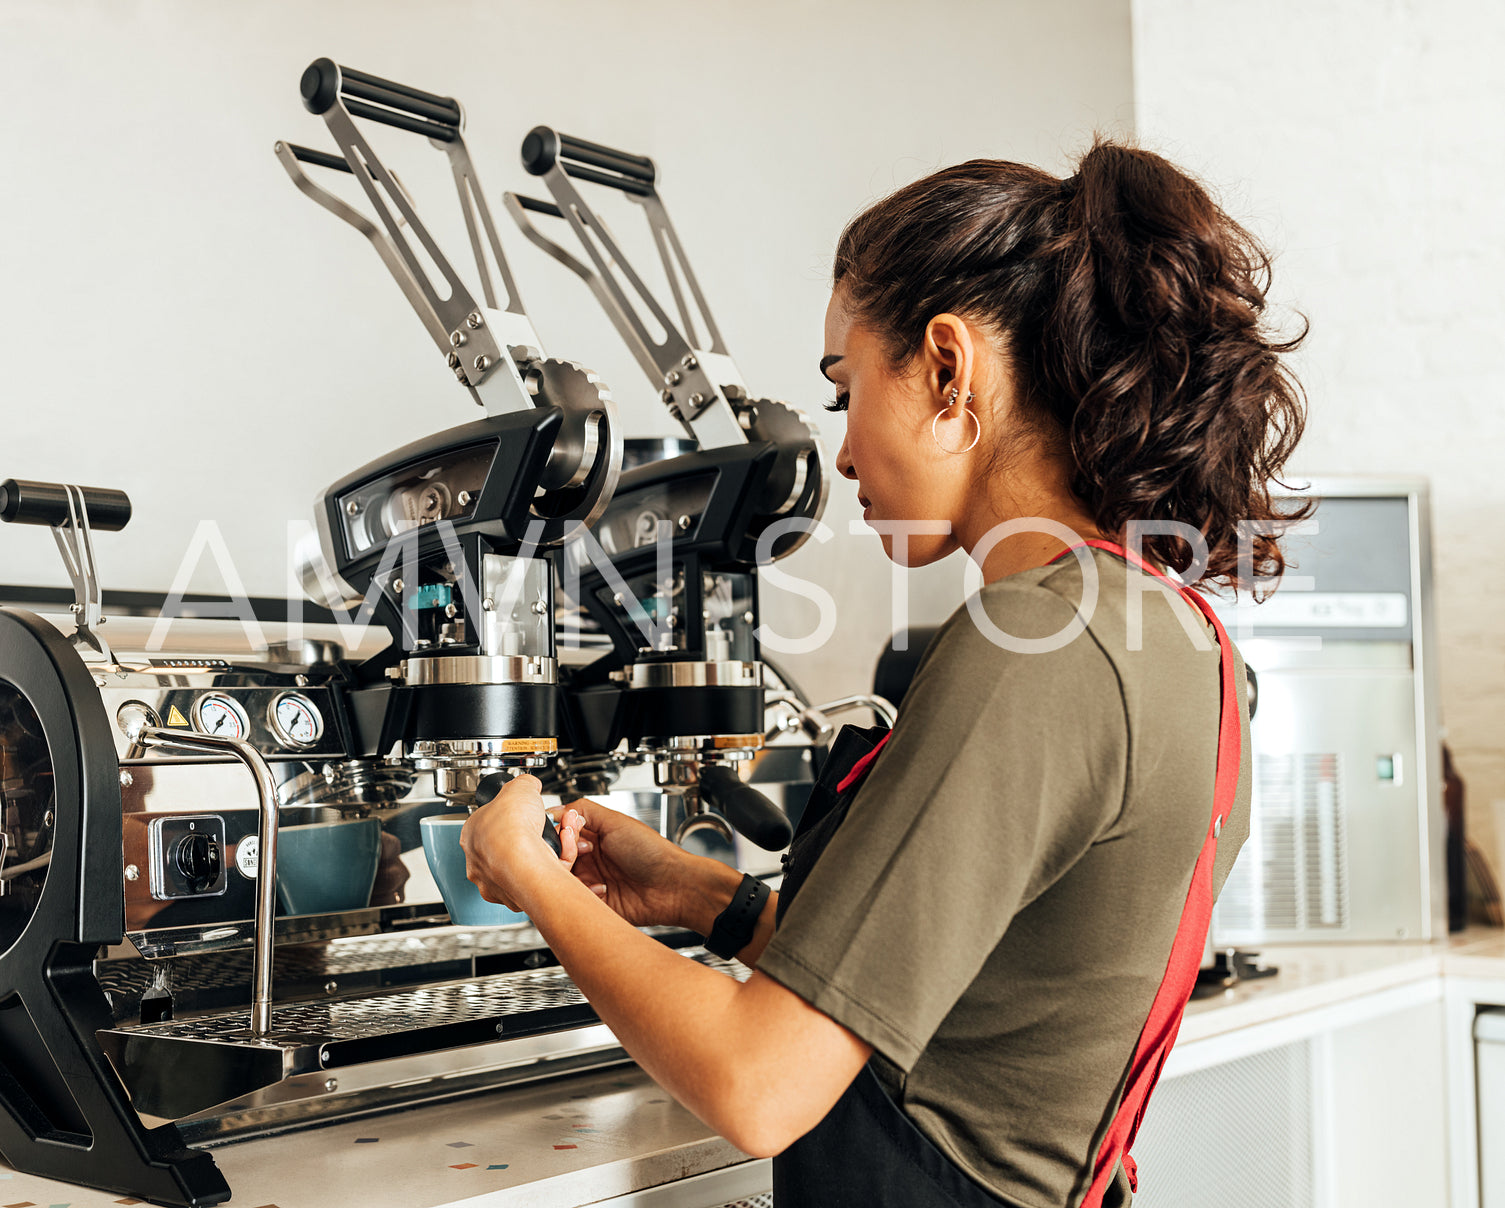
866,1152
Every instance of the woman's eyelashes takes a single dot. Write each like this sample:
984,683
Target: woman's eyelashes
839,403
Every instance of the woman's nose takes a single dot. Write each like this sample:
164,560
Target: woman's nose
844,462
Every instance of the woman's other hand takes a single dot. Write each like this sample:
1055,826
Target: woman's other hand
505,853
636,871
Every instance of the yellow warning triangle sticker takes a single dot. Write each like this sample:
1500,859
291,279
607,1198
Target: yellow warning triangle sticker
175,718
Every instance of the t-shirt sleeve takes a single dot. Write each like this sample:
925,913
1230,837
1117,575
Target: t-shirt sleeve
1002,769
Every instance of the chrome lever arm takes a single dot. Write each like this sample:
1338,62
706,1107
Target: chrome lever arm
691,381
481,344
384,246
76,546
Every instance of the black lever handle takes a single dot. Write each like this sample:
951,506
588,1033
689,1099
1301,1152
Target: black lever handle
325,81
25,502
539,207
751,813
324,159
544,147
492,784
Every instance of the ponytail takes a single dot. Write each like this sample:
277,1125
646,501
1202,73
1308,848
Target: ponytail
1132,309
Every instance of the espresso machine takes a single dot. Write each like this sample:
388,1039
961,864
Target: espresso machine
167,784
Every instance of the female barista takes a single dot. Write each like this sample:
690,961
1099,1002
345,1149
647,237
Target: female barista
990,923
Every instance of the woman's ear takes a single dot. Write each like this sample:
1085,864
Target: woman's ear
949,356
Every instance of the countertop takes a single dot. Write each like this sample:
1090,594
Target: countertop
589,1137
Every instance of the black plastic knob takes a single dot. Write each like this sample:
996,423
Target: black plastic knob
199,859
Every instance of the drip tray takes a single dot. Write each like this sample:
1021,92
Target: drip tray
180,1067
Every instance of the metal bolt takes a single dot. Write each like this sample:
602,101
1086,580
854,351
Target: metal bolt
690,362
465,497
473,321
617,599
132,873
460,375
457,338
75,609
697,399
482,362
748,616
488,604
672,377
683,522
331,1084
397,585
126,779
48,819
453,360
301,680
324,1054
499,1028
539,608
451,611
667,396
331,986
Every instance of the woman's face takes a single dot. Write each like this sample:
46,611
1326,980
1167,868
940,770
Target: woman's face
901,474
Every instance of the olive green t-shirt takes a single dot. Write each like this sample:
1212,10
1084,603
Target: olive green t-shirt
995,914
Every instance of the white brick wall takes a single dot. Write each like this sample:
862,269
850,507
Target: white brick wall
1365,141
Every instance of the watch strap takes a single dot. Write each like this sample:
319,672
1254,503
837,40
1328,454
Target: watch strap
734,926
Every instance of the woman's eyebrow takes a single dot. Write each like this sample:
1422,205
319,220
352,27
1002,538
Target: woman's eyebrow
826,363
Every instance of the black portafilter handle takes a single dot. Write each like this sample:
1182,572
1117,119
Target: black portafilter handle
25,502
492,784
749,812
324,82
544,146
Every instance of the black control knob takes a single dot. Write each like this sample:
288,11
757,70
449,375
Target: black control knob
199,859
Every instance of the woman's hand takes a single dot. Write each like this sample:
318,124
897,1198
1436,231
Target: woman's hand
505,853
636,871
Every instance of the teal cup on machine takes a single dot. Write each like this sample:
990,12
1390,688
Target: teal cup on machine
466,906
323,867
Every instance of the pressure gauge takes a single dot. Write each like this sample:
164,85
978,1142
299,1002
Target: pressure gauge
296,720
220,715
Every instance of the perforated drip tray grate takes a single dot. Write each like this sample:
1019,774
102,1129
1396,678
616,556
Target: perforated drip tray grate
179,1067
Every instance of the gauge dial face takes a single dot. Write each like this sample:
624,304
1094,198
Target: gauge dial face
220,715
296,720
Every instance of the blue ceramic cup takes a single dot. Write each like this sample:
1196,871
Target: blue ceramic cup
323,867
466,906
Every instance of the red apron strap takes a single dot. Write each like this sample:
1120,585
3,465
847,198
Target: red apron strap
859,769
1164,1022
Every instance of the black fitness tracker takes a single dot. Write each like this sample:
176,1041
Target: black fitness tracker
734,926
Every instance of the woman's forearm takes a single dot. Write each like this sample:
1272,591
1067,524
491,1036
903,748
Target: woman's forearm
753,1061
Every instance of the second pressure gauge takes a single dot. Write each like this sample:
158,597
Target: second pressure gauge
296,720
220,715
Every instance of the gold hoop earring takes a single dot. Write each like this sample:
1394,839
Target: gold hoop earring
972,415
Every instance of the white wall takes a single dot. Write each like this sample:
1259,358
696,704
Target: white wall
178,321
1363,141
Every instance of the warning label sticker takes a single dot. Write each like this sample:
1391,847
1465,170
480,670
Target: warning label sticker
175,717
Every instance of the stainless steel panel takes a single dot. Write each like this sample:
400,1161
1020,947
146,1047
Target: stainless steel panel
1333,846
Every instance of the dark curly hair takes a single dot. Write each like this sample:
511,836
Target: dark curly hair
1132,310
